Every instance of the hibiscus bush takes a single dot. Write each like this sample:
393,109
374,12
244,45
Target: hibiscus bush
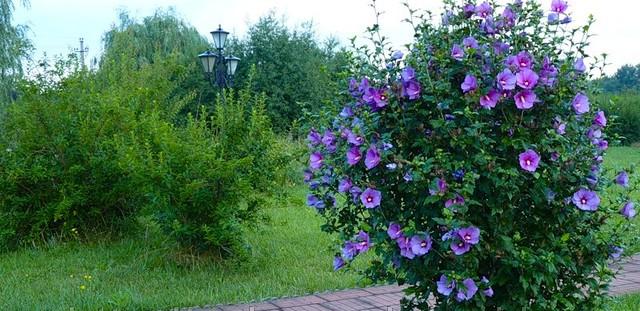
471,165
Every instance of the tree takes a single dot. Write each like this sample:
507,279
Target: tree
14,46
625,79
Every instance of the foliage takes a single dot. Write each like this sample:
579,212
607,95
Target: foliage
472,165
14,46
293,69
626,78
160,38
626,109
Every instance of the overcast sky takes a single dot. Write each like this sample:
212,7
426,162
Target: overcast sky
57,25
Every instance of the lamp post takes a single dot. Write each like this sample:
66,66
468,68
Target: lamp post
219,68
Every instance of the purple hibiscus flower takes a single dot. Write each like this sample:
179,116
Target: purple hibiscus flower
470,43
484,10
580,104
354,139
353,156
470,235
375,98
457,52
404,243
527,78
468,10
420,244
410,86
459,247
441,187
529,160
313,201
308,176
602,144
344,185
490,99
314,138
506,80
628,210
524,60
329,138
349,250
371,198
407,177
315,161
525,99
346,112
579,65
457,200
372,159
470,289
622,179
559,6
338,263
508,17
586,200
500,47
445,286
394,231
362,242
616,252
600,119
488,292
561,128
397,54
470,84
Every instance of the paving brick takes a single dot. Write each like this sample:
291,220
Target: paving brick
384,289
298,301
346,294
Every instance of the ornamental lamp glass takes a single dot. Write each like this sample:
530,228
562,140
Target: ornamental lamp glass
219,38
232,65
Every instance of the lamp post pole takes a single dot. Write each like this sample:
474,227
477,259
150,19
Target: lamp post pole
218,68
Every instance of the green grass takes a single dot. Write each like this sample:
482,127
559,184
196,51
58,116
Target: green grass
289,256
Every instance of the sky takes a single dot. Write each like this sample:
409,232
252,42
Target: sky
56,26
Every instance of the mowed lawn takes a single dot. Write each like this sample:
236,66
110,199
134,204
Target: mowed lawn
289,256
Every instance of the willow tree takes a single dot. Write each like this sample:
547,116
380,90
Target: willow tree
14,47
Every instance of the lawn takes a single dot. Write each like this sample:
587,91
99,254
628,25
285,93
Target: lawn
289,256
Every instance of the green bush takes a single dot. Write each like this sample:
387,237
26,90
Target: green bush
626,109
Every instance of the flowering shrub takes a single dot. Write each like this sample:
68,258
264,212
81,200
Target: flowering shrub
472,165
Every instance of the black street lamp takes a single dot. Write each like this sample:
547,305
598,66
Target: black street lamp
219,68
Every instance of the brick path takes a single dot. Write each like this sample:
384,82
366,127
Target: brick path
387,298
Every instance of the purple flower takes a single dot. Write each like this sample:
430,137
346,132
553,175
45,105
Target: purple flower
622,179
344,185
459,247
349,250
353,156
407,177
468,10
346,112
527,78
506,80
394,231
469,235
362,242
559,6
338,263
616,252
489,26
441,187
488,292
328,139
314,138
579,65
315,161
593,133
355,194
509,17
308,175
397,54
458,174
457,52
372,158
500,47
600,119
445,286
553,18
404,243
555,156
490,99
420,244
524,60
354,139
313,201
586,200
457,200
470,289
525,99
484,10
561,128
470,43
580,104
470,84
602,144
529,160
371,198
376,98
410,86
628,210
